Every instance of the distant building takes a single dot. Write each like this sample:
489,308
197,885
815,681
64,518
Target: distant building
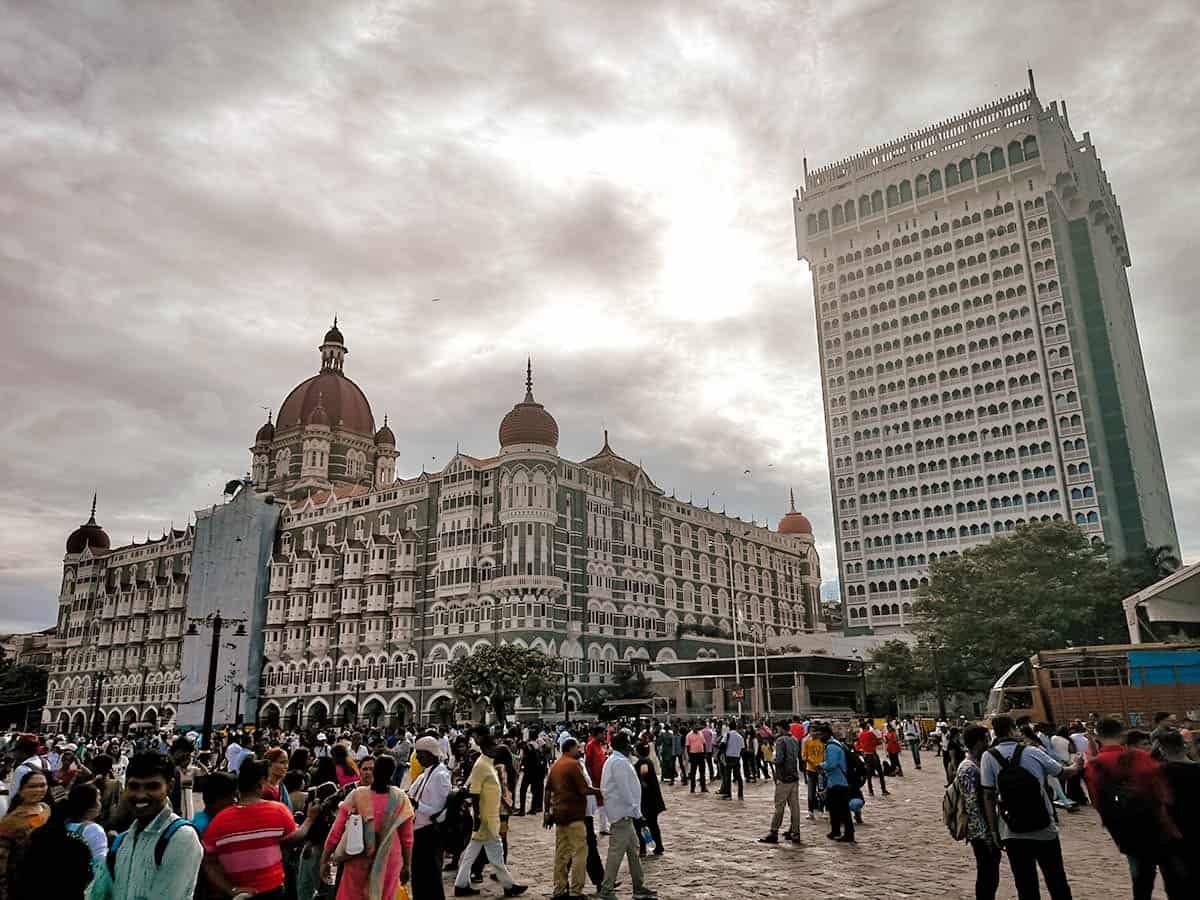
979,357
374,584
28,649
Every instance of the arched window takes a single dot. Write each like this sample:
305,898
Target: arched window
864,205
997,159
982,166
893,196
1015,153
951,175
877,201
935,181
812,223
1030,147
905,191
849,210
839,217
823,220
922,185
964,170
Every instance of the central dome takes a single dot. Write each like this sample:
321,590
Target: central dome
89,534
341,401
344,404
794,522
528,422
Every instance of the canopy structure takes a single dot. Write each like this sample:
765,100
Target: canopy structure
1167,610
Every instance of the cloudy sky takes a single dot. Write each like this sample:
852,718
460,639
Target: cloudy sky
190,191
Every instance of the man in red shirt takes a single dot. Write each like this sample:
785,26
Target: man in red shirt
1129,789
594,758
242,844
797,729
868,742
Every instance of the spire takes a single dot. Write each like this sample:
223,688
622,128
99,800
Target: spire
792,498
529,379
335,320
92,518
1032,87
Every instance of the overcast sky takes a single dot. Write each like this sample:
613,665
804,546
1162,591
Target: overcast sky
189,192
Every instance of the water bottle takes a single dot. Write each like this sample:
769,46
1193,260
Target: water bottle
647,838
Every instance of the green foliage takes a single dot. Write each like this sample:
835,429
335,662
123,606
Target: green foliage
1151,565
1043,586
897,670
497,676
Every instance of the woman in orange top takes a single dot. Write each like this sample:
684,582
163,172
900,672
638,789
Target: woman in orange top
27,813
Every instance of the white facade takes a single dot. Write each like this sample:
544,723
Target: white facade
975,330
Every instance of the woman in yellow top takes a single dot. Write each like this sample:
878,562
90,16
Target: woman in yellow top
813,754
27,813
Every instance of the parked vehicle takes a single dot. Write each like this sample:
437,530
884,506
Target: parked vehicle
1129,681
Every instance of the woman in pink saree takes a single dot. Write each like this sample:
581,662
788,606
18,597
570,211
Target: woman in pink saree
387,816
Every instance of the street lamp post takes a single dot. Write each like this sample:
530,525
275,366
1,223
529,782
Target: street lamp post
737,662
358,686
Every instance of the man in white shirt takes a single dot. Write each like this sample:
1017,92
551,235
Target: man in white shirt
622,791
734,744
26,751
428,795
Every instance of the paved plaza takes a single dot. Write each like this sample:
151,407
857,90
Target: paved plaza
903,851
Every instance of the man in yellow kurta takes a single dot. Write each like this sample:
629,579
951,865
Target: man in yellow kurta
484,785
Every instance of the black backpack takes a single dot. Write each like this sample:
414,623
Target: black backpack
856,770
1131,816
1021,796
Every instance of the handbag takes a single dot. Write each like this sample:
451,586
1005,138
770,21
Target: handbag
351,843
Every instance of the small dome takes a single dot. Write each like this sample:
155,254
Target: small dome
528,422
89,534
318,416
266,434
794,522
385,435
334,334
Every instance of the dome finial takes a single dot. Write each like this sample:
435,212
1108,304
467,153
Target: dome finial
792,497
92,517
528,379
335,320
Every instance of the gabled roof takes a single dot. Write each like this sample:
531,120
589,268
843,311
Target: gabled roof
613,464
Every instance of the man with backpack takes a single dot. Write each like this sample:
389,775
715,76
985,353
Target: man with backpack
1013,777
1129,789
840,779
159,856
962,811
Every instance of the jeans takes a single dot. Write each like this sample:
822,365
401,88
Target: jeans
595,865
1025,857
494,849
1174,868
426,865
535,781
987,868
894,759
787,793
570,855
696,764
732,769
914,746
837,801
655,832
814,801
874,769
622,844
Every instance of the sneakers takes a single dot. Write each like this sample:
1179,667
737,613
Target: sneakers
771,838
811,817
515,891
465,892
645,894
845,839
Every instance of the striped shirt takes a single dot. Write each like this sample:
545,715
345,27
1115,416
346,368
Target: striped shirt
245,841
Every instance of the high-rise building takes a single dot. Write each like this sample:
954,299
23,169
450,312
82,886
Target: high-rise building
979,358
352,589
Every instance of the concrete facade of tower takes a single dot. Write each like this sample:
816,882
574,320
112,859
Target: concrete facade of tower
980,362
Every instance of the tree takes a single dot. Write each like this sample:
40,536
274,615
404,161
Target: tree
1153,564
497,676
897,670
1043,586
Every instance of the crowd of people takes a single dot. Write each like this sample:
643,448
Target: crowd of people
387,814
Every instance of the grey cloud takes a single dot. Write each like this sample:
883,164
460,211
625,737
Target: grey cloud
188,194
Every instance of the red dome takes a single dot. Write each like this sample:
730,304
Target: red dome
528,422
265,434
795,523
345,404
385,435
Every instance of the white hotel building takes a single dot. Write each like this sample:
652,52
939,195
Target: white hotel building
980,361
